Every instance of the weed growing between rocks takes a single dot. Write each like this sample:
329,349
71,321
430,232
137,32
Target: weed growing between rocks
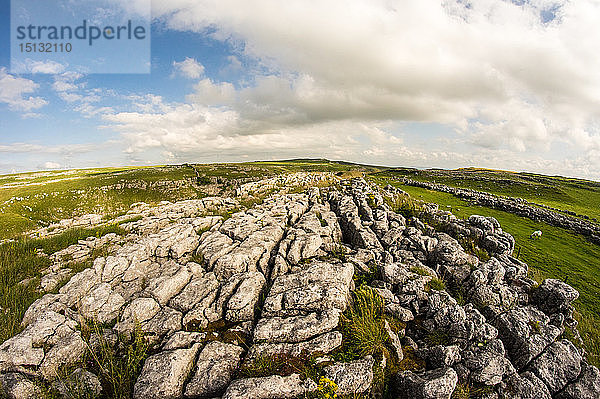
439,337
339,252
117,364
404,205
280,364
363,324
435,284
468,391
362,277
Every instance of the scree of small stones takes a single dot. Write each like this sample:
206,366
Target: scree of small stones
252,303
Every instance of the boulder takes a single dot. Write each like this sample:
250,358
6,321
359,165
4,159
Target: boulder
272,387
213,370
558,365
353,377
164,374
587,385
554,296
432,384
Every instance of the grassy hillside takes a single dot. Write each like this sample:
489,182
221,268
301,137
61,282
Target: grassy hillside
577,195
32,200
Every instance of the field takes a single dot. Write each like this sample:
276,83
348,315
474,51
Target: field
576,195
32,200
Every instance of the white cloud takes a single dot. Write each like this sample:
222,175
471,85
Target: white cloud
46,67
51,165
511,80
14,90
189,68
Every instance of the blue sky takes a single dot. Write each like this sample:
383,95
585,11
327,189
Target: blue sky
508,85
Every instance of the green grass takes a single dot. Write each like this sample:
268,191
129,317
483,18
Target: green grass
116,366
576,195
435,284
52,196
363,324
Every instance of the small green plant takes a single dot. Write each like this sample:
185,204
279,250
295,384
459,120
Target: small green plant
471,247
410,361
363,323
117,366
435,284
468,391
197,257
536,325
439,337
339,252
279,364
321,220
421,271
458,294
365,278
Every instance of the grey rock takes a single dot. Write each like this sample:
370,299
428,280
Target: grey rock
241,306
183,340
79,285
166,321
318,287
80,383
487,364
558,365
394,341
525,332
17,386
139,310
587,385
321,344
400,312
213,245
67,351
102,304
524,386
441,356
199,290
296,328
213,370
553,296
164,374
353,377
433,384
167,286
25,349
272,387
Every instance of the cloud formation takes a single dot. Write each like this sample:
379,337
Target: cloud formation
506,84
190,68
14,92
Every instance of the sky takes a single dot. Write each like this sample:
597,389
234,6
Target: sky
500,84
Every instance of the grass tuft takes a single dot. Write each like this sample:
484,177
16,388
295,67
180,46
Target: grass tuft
435,284
363,324
117,366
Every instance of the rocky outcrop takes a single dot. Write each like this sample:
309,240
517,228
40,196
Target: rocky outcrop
518,206
218,295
